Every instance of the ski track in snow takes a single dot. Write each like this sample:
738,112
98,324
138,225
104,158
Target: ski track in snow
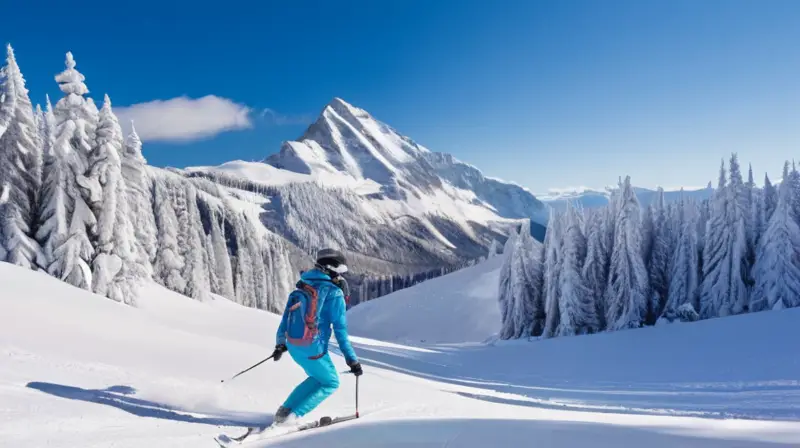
81,370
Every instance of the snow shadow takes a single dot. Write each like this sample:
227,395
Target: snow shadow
466,366
603,409
481,433
122,397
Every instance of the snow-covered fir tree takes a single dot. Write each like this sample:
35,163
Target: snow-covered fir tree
658,265
52,212
751,199
211,262
770,197
505,293
169,264
794,184
553,253
626,294
577,312
222,256
76,121
524,313
741,215
139,195
684,275
648,231
243,267
595,268
20,169
279,273
195,270
725,270
114,268
777,268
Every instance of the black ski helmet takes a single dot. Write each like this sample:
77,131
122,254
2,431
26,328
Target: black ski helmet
331,260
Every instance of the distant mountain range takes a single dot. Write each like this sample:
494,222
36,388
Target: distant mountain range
589,198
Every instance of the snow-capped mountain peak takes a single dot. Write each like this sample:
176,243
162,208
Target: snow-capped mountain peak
346,139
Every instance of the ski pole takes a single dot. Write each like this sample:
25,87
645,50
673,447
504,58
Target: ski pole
356,397
248,369
347,372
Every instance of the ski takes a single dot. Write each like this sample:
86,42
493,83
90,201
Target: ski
225,441
325,421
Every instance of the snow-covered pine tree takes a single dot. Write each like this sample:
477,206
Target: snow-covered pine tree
714,249
553,251
20,169
595,268
139,196
725,270
577,310
279,272
648,231
777,269
759,219
51,213
794,182
39,124
113,266
505,294
76,122
180,205
744,254
222,257
169,262
626,295
211,262
253,244
683,279
770,199
658,266
750,193
243,267
527,307
195,271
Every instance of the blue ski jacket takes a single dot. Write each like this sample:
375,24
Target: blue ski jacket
332,309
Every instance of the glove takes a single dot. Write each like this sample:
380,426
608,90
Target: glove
355,368
279,349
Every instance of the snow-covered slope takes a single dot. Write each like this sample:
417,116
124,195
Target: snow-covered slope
589,198
458,307
430,206
80,370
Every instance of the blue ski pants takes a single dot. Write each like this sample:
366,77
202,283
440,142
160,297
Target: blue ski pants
322,381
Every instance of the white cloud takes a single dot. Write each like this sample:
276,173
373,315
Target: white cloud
185,119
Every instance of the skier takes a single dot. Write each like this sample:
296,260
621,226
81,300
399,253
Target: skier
307,342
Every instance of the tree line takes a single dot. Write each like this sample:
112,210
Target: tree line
623,266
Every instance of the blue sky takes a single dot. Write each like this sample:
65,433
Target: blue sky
545,93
